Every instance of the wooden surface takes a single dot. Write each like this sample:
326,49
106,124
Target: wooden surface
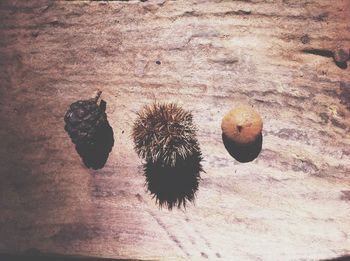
291,203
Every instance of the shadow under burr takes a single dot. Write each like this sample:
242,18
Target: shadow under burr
243,153
174,186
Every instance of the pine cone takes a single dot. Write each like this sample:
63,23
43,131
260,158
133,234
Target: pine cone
88,128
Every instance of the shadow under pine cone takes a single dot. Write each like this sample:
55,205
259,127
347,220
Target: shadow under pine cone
95,154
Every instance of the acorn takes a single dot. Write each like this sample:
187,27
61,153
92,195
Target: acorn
242,124
165,137
242,133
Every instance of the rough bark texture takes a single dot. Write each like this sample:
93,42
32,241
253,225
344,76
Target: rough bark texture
291,203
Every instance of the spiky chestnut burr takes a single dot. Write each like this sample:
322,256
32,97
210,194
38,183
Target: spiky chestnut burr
164,133
87,125
165,137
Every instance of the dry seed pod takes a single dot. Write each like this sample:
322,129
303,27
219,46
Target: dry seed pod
82,119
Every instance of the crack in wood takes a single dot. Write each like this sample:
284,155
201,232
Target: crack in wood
320,52
172,237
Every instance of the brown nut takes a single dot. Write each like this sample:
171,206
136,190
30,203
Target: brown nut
341,55
242,125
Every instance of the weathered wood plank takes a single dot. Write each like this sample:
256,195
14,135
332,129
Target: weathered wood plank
291,203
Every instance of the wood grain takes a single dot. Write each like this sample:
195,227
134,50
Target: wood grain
291,203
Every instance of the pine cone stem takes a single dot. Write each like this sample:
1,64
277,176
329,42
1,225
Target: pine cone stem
97,95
